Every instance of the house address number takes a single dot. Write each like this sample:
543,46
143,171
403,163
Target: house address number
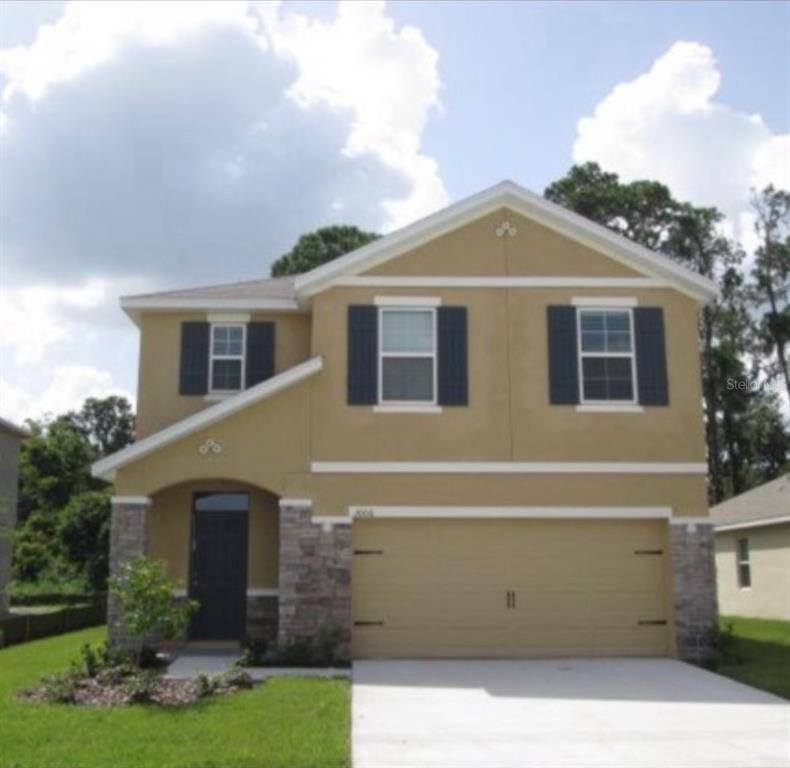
364,512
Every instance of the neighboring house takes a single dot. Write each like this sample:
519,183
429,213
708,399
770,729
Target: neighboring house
10,438
753,551
480,435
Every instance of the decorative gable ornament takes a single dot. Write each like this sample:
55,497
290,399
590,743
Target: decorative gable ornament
210,446
506,229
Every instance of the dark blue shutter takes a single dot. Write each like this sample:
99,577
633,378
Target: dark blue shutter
362,355
260,352
651,356
453,357
563,356
193,378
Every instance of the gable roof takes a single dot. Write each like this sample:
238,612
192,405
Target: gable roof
274,293
12,429
105,468
522,201
767,504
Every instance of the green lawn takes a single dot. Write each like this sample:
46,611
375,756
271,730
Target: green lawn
296,722
764,646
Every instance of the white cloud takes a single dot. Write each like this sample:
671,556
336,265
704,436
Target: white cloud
667,125
183,143
37,317
66,390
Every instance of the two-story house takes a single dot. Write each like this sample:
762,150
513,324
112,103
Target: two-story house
479,436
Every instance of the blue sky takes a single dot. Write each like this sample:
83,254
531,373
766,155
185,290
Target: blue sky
146,146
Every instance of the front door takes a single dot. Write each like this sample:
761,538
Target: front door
218,572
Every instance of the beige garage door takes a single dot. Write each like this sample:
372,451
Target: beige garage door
509,588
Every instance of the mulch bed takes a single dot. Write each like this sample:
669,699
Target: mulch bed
92,692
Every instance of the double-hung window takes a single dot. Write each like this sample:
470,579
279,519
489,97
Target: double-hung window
606,356
407,357
226,367
744,564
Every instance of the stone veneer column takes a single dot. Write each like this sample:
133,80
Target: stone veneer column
315,578
694,587
128,539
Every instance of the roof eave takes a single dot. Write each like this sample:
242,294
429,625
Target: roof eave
107,467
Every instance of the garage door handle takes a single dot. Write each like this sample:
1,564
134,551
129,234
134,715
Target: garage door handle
510,599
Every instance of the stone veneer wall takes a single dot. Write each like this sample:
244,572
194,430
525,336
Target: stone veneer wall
128,539
262,615
315,579
694,586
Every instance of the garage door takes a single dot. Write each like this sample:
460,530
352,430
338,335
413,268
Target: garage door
508,588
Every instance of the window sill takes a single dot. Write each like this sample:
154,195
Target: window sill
614,408
407,408
215,397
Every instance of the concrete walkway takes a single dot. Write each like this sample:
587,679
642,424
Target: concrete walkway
612,713
191,663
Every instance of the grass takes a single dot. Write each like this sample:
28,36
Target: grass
763,646
287,722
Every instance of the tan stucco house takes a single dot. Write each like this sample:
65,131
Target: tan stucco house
11,437
753,552
479,436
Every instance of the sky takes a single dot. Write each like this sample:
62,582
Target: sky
156,145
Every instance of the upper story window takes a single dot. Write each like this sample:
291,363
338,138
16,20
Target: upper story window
606,356
744,564
407,355
226,366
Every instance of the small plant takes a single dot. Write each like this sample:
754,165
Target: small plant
236,679
91,660
60,688
144,593
254,652
205,686
142,686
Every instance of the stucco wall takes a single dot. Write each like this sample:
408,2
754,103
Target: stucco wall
158,400
769,594
9,475
170,530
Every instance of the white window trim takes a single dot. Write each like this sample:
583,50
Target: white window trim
415,408
421,302
596,302
212,357
419,404
739,563
634,400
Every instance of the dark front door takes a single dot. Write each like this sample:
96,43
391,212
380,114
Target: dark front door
218,573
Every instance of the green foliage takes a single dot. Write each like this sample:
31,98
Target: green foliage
142,686
145,597
770,289
319,247
307,721
206,685
107,423
255,652
748,440
319,651
84,533
64,512
723,645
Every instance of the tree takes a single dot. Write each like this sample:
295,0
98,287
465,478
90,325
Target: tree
771,278
107,423
145,599
319,247
744,430
84,534
54,465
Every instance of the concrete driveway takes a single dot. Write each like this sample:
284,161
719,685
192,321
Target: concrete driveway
657,713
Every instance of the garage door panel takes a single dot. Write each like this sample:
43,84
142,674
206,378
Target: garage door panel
439,588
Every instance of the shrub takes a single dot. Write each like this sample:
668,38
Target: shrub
141,687
145,598
236,678
205,686
254,652
60,688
